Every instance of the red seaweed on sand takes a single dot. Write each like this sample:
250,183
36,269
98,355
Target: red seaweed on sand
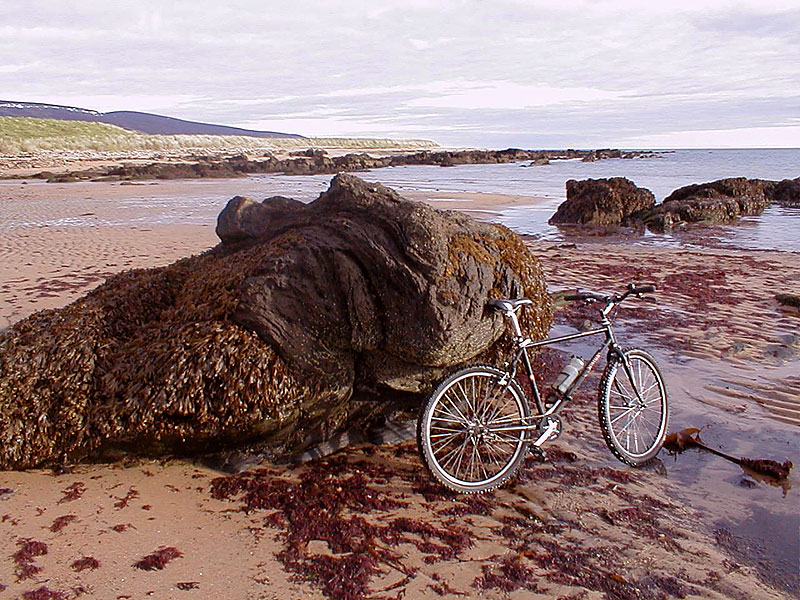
44,593
24,557
158,559
62,522
87,562
73,492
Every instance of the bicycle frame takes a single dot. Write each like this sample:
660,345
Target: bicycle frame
523,343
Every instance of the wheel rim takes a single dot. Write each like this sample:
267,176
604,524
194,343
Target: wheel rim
463,440
636,422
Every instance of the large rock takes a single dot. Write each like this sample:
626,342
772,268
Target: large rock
602,202
747,193
308,320
717,202
785,193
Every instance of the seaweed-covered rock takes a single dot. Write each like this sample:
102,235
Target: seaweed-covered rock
307,321
785,192
713,203
748,193
602,202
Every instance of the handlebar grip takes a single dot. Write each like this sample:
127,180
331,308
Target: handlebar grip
574,297
645,289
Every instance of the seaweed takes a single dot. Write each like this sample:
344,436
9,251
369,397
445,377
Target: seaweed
767,467
73,492
44,593
470,505
509,575
87,562
158,559
62,522
24,557
125,500
443,588
325,503
187,585
690,438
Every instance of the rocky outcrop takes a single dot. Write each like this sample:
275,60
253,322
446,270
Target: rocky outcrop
785,193
617,201
315,161
717,202
307,321
603,202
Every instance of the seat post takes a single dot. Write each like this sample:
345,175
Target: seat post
512,316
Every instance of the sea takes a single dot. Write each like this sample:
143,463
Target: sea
200,201
776,229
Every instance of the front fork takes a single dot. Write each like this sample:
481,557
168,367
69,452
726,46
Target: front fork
626,365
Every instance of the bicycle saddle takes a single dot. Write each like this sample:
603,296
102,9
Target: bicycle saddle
508,305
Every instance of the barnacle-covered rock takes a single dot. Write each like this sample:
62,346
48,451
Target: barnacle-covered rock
713,203
602,202
308,320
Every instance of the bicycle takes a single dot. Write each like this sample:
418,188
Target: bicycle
475,429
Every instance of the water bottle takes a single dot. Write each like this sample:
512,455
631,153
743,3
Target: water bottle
568,374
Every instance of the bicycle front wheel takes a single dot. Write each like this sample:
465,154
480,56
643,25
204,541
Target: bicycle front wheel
471,432
633,408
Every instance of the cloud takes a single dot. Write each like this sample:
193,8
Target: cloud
511,96
528,72
754,137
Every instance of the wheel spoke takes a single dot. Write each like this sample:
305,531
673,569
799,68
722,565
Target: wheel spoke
442,443
460,415
449,457
464,394
618,417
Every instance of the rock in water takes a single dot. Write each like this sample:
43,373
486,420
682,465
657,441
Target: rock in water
785,193
307,321
716,202
602,202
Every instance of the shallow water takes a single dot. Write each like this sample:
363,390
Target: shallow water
200,201
776,229
757,518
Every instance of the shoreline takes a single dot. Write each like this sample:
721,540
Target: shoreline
313,161
710,302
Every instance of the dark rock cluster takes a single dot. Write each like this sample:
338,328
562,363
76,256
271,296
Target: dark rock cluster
717,202
785,193
618,202
308,320
606,153
316,161
603,202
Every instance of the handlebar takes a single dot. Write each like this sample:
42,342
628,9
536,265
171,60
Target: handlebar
614,299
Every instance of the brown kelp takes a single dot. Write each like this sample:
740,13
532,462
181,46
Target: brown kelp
690,438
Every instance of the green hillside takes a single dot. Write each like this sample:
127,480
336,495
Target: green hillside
19,135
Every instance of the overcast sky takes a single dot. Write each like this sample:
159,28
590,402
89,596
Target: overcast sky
533,74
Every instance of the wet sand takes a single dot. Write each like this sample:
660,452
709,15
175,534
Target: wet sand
580,526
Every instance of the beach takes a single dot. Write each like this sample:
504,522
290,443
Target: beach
579,526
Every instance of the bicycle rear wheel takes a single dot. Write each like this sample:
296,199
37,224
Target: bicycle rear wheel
634,425
461,431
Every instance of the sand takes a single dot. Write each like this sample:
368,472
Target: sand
580,526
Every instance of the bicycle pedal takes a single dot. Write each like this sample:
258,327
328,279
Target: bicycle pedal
540,453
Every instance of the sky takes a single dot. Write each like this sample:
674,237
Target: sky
484,73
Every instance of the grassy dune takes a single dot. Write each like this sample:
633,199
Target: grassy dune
20,135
